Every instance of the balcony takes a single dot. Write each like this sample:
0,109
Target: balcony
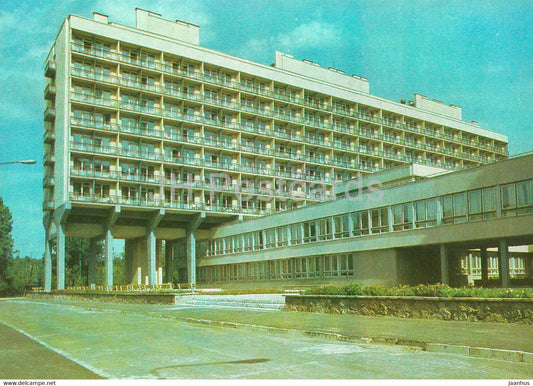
49,159
50,68
50,113
93,148
48,181
49,136
92,123
48,205
50,92
92,173
109,102
92,198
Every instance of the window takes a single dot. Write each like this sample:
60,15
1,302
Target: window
282,233
248,241
324,229
330,266
310,232
402,217
474,205
489,202
270,238
509,199
380,220
524,195
459,207
101,166
300,267
342,226
296,233
454,208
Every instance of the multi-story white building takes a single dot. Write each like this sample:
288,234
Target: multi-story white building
150,136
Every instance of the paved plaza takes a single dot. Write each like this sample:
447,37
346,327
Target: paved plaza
156,342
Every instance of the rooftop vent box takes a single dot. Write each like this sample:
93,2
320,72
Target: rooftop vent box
153,22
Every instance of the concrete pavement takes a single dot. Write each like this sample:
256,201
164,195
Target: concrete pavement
23,358
150,341
264,310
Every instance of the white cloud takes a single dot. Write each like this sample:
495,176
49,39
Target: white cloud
316,34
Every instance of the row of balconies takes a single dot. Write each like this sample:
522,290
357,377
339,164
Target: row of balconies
208,164
147,202
352,113
249,127
197,185
226,145
268,132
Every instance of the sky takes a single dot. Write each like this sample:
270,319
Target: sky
476,54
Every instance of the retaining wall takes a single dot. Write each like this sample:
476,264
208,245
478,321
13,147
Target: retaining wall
468,309
140,298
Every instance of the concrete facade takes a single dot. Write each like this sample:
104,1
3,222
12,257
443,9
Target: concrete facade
417,232
150,137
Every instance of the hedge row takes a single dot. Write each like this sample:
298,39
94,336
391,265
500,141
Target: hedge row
438,290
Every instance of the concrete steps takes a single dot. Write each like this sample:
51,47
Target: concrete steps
272,302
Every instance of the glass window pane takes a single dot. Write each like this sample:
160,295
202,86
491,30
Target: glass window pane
407,213
397,214
508,196
459,204
489,202
474,202
431,209
447,206
420,210
524,194
356,224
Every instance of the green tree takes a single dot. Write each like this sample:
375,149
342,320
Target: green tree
77,261
6,246
24,273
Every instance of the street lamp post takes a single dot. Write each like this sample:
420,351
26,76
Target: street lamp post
24,162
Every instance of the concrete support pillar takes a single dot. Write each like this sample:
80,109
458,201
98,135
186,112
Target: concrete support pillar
60,218
191,246
128,260
159,260
191,257
60,255
503,253
484,265
108,256
151,256
528,259
47,255
108,245
151,247
444,265
92,262
169,260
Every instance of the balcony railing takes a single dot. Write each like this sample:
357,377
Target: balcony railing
49,136
48,158
49,113
48,181
155,203
363,115
48,205
50,68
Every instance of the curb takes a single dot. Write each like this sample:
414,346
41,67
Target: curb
441,348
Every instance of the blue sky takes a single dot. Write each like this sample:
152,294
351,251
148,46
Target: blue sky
474,54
